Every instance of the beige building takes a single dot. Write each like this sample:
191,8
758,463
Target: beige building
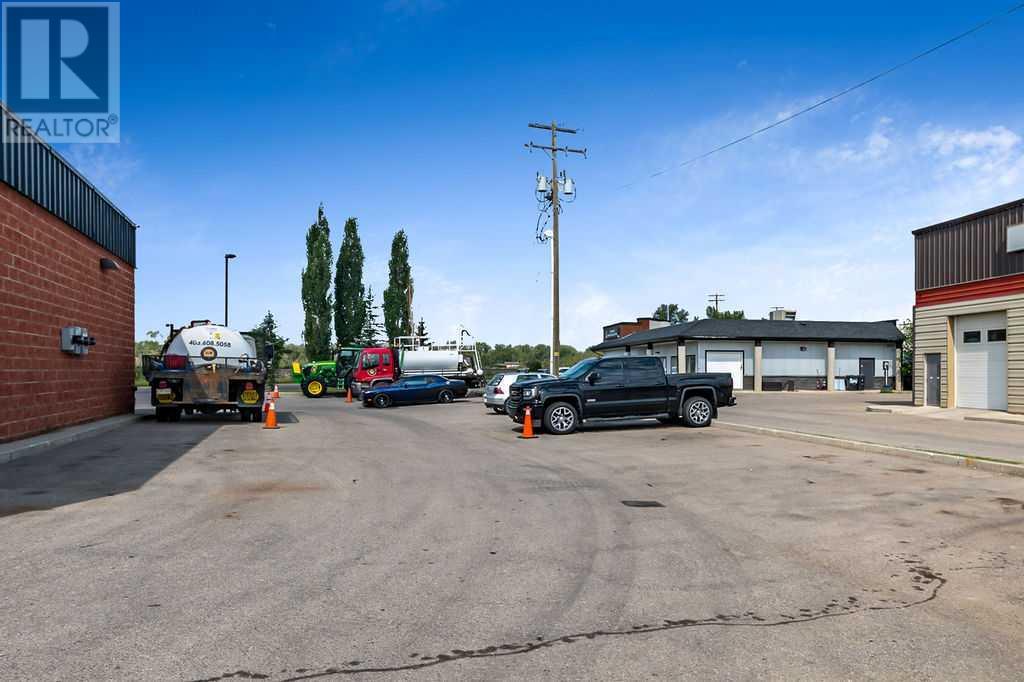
969,312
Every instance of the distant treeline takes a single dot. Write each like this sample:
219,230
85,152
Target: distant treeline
527,356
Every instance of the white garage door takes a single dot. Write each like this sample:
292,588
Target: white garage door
729,361
981,361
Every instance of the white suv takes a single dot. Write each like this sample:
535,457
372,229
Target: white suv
496,392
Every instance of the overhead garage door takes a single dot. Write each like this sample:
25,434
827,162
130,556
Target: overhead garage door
730,361
981,361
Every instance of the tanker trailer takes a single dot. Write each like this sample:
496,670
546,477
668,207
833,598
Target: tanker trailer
206,368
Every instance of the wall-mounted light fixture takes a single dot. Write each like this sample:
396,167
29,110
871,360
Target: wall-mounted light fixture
108,264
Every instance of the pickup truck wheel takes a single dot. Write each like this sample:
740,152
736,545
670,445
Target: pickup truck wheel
382,401
697,412
561,419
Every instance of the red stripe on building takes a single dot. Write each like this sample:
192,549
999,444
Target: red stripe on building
987,288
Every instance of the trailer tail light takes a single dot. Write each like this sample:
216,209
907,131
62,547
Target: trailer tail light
175,361
249,386
499,391
162,384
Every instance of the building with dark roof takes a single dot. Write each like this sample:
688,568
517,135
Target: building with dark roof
67,292
969,311
772,354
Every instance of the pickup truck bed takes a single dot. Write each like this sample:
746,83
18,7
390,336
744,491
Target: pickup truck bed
625,387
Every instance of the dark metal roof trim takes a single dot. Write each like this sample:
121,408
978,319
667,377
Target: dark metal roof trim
37,171
972,216
884,331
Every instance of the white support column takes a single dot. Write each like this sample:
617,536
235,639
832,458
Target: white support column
681,357
830,367
899,369
758,370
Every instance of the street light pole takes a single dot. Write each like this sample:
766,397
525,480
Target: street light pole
227,257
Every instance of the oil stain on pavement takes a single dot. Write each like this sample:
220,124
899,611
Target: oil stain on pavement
922,578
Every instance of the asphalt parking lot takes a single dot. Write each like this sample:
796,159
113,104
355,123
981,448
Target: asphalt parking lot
429,543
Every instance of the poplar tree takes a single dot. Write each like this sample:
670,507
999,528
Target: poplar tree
398,295
349,292
316,289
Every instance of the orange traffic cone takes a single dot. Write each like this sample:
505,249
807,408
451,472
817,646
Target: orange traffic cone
271,421
528,424
348,395
277,393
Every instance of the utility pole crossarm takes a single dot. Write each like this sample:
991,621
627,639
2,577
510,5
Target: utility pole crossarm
552,126
549,148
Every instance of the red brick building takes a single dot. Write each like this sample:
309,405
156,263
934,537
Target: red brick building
67,260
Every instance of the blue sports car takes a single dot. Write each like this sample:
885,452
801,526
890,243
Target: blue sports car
427,388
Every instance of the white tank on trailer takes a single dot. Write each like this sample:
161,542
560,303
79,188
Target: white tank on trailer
429,361
213,343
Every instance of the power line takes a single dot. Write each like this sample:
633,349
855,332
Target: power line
832,98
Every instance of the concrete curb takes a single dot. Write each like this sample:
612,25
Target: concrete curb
39,444
967,418
949,458
997,420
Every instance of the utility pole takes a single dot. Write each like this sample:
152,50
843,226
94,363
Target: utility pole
556,184
716,299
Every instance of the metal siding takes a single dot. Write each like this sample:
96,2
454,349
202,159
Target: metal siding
35,170
930,337
848,357
968,250
785,359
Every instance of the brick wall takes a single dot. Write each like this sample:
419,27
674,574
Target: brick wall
50,277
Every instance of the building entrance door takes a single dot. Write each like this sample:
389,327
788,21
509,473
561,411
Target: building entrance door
867,370
932,379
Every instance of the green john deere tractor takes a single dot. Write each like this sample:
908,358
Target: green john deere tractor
320,376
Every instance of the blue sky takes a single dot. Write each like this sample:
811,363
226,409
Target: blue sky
239,118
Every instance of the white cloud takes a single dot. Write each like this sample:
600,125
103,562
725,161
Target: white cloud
451,305
806,219
107,166
993,140
875,146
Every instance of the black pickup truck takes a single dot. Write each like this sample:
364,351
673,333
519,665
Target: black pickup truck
620,387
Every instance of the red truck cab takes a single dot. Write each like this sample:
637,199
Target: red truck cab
376,366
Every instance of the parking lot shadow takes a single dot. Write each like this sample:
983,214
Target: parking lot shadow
101,466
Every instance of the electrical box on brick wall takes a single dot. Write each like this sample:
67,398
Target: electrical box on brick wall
76,340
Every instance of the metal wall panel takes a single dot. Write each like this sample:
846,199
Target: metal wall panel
35,170
967,250
930,337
